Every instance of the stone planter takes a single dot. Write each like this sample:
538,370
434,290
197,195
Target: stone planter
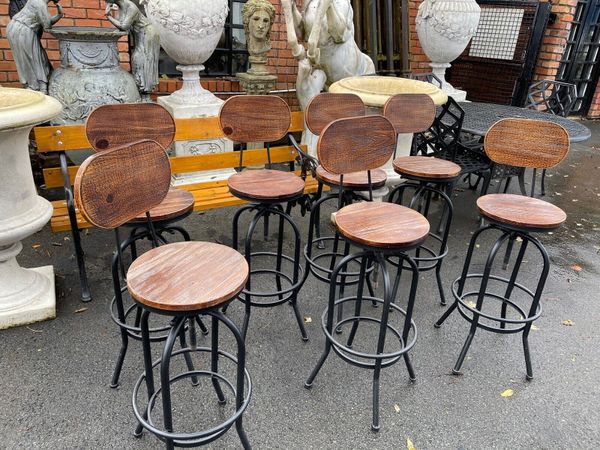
26,295
189,32
445,27
89,74
375,91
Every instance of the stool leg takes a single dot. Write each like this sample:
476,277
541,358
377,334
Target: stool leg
240,384
320,245
279,255
121,314
508,253
203,328
513,279
214,360
409,310
188,358
340,313
165,384
358,303
266,227
149,374
480,297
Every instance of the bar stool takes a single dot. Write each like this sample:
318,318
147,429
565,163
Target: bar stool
262,118
144,121
380,230
427,177
521,143
180,280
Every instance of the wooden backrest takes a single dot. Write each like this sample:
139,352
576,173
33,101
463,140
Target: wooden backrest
410,113
327,107
255,118
114,186
526,143
356,144
112,126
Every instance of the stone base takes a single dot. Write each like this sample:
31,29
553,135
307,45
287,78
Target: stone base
40,307
198,147
257,83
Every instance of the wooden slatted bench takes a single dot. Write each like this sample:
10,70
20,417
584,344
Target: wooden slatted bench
208,195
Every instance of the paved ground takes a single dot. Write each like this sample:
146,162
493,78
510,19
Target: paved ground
54,375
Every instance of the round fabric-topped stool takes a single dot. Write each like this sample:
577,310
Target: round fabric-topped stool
428,178
185,280
380,230
479,296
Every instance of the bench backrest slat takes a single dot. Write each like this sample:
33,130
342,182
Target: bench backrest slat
72,137
184,164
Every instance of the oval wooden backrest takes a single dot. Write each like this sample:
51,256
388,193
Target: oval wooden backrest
114,186
112,126
255,118
356,144
327,107
526,143
410,113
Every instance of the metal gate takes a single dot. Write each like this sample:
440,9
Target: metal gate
497,65
579,63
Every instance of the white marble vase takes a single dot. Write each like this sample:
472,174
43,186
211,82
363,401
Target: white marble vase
26,295
189,32
445,27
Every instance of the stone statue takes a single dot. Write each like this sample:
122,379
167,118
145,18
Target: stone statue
23,33
258,17
145,43
15,6
328,28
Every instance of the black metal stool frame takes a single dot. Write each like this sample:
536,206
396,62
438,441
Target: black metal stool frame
287,294
381,360
242,378
424,190
473,315
117,309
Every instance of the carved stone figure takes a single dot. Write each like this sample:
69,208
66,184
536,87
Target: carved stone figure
258,17
328,27
23,33
145,42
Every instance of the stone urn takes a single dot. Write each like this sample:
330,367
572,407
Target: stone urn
445,27
90,73
26,295
189,32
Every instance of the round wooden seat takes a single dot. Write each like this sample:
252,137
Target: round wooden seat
382,225
520,211
270,185
187,276
357,180
178,202
426,167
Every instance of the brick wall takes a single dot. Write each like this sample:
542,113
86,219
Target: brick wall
419,62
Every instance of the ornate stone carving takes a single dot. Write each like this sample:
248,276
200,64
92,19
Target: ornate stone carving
444,28
199,24
89,74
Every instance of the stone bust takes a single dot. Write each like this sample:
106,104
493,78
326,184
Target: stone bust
258,17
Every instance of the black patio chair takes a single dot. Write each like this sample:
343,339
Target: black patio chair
554,97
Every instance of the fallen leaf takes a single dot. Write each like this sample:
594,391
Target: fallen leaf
66,238
534,328
568,323
34,330
34,246
57,244
507,393
471,304
409,444
397,407
307,319
80,310
576,267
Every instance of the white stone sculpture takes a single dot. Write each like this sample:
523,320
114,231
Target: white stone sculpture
445,27
189,32
26,295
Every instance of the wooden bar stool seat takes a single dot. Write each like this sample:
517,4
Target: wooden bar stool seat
266,185
354,180
425,167
187,276
519,211
177,203
382,225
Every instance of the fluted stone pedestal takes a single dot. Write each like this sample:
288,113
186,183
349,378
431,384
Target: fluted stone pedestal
26,295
